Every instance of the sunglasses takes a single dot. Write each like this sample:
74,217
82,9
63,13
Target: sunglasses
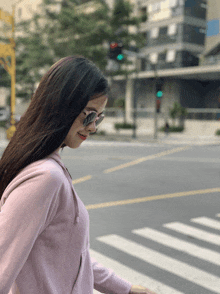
92,117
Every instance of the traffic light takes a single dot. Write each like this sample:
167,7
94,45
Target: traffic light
159,93
115,51
159,90
158,102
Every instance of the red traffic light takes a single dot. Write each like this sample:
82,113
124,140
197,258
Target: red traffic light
115,51
113,45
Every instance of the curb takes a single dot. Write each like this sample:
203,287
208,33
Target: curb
174,139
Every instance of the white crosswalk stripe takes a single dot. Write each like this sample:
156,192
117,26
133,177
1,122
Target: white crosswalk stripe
132,276
194,232
205,221
192,273
178,268
177,244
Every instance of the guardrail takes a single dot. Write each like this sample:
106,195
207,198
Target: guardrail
192,113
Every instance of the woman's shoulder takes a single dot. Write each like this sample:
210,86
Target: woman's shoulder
44,174
44,167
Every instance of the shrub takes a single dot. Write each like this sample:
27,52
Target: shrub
123,126
177,111
101,133
3,124
217,133
120,102
173,129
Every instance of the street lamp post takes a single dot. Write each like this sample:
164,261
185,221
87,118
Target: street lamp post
135,109
154,65
155,103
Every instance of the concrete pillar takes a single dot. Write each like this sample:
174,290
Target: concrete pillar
129,96
3,95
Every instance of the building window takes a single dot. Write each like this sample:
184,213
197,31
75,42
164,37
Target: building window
143,64
155,7
154,33
193,34
163,31
213,27
172,29
153,57
19,13
190,3
171,56
173,3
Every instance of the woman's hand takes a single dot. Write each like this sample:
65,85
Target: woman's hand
135,289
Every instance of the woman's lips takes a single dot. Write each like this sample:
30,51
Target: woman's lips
82,137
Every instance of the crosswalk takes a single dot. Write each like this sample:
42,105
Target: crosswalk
202,232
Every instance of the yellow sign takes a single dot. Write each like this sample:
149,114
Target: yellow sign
5,51
6,16
10,132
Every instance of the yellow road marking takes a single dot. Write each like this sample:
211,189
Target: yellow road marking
142,159
139,160
151,198
80,180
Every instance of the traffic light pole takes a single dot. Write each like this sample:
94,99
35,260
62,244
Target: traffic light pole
155,102
135,109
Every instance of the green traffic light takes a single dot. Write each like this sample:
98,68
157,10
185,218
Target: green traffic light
120,57
159,94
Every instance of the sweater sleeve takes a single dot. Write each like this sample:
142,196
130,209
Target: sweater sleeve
106,281
30,202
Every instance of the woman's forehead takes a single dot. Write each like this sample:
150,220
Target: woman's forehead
97,104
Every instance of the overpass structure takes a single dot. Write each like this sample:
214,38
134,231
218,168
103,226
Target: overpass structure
193,87
199,73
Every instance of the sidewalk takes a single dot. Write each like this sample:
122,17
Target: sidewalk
184,138
171,139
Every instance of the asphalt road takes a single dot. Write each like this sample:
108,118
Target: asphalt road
154,212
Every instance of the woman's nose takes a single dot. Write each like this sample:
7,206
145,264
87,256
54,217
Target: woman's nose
91,127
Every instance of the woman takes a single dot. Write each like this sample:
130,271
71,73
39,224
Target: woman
44,226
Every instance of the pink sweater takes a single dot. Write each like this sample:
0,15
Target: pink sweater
44,236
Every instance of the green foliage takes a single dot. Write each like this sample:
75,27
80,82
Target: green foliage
217,133
3,124
172,129
120,21
100,133
120,102
5,78
177,111
75,30
32,55
123,126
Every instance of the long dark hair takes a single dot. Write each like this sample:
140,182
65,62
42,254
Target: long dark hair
62,94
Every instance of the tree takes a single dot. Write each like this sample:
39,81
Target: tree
124,28
177,111
78,29
33,57
71,27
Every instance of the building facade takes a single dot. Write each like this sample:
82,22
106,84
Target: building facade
211,54
175,32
